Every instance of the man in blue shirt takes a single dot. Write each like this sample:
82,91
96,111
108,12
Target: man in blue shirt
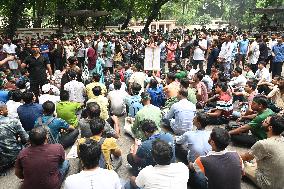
133,103
4,94
44,49
56,125
278,54
243,50
29,112
140,154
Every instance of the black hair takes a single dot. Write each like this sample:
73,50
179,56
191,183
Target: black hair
38,135
238,70
220,137
64,95
148,126
23,71
97,90
136,87
72,59
183,92
223,86
252,84
93,110
96,77
262,100
262,62
17,95
89,153
162,152
28,97
171,76
153,83
72,74
202,118
184,82
117,84
97,125
277,123
199,76
84,114
48,107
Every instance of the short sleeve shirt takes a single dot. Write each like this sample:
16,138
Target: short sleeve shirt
256,124
37,67
67,110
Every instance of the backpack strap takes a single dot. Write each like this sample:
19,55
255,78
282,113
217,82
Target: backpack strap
49,120
102,140
39,120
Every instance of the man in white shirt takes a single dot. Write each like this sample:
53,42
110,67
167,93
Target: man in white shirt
262,74
10,50
49,94
117,105
253,55
199,52
75,88
165,174
225,56
12,105
92,175
238,81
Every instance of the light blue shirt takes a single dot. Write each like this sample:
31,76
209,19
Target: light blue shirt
183,112
243,45
196,142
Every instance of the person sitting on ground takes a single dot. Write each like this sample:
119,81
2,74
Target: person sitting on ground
156,92
109,146
148,112
75,88
92,176
140,153
4,94
117,79
262,74
96,82
220,168
185,83
41,165
181,114
171,89
249,73
101,100
93,111
55,125
240,135
29,111
116,96
276,95
133,102
49,93
238,81
163,175
202,92
207,80
11,131
14,103
67,110
224,106
268,154
193,144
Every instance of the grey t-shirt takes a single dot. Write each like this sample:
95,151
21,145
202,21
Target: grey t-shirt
86,131
269,156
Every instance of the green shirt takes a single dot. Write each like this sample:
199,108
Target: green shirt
256,124
191,96
67,110
149,112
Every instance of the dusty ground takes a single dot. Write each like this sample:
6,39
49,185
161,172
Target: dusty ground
12,182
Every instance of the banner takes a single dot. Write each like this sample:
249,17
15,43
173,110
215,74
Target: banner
152,58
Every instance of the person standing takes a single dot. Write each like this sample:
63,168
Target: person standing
10,50
37,66
225,56
278,57
243,50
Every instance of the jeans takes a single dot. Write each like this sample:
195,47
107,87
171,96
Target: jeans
63,169
197,180
276,68
199,63
128,185
244,139
69,139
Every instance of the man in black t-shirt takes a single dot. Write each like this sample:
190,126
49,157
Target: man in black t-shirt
37,66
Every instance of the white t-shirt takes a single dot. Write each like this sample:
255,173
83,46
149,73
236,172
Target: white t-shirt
11,49
47,97
263,74
116,97
173,176
12,107
76,91
98,179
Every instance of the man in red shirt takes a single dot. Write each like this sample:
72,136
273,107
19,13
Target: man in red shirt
41,165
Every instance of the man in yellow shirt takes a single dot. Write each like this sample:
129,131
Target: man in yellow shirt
108,145
89,87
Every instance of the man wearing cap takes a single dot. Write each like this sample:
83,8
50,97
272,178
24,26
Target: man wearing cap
49,93
37,66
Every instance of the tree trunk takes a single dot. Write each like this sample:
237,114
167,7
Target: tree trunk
15,13
154,12
128,16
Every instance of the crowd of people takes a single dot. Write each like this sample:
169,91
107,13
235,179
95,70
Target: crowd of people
62,93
